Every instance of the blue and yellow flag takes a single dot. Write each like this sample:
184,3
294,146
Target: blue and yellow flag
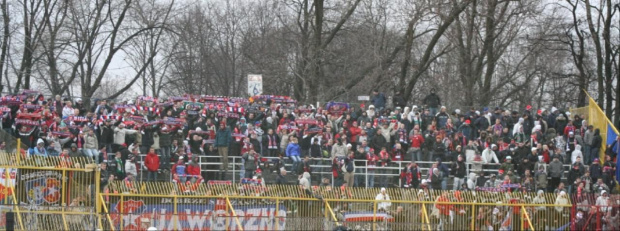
596,117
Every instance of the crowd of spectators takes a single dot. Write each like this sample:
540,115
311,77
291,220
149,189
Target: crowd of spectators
529,147
520,150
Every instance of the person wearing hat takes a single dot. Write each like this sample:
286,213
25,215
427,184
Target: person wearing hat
458,170
556,171
507,165
432,102
596,171
442,118
38,150
383,199
74,152
489,156
466,129
492,182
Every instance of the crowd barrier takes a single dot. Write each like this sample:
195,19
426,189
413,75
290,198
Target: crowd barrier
54,193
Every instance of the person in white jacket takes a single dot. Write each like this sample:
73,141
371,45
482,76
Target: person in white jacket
603,202
488,155
119,135
576,153
130,166
385,200
517,127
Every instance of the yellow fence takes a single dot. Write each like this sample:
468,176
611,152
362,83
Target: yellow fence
52,193
49,193
171,206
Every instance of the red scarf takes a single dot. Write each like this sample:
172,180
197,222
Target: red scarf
272,141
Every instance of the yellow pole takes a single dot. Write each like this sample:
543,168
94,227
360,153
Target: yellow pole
234,214
227,221
122,210
19,215
64,221
527,216
18,149
276,213
473,216
64,188
94,195
105,209
6,191
174,217
374,215
424,211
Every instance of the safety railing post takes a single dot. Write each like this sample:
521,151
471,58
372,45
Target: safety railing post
94,195
374,215
473,217
366,173
122,211
18,151
105,210
275,214
233,170
175,213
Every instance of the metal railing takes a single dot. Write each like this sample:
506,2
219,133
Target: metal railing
388,176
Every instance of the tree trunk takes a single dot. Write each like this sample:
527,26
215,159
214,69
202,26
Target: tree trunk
5,41
599,54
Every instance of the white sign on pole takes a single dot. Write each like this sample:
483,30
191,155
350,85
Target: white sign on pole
255,85
363,98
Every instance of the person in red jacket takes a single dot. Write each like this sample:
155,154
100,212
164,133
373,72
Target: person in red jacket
193,170
444,211
416,145
152,165
354,131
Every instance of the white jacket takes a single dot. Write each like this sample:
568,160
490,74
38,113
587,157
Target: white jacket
517,127
130,167
119,134
576,153
488,155
383,205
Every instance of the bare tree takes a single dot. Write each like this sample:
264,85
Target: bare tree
149,44
5,42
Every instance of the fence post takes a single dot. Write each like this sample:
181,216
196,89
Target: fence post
233,170
276,213
64,188
473,216
18,151
366,174
97,191
374,215
175,214
122,210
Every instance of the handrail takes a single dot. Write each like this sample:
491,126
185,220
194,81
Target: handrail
19,215
331,212
527,217
234,214
105,209
425,212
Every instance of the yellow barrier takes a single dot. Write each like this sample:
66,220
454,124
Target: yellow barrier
132,205
50,193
